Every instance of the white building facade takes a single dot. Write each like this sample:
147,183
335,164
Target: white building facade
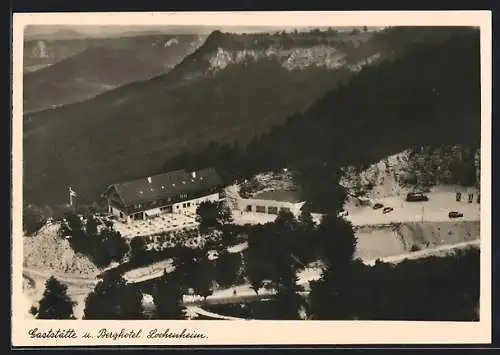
269,206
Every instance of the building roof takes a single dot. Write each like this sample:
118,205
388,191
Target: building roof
279,195
166,185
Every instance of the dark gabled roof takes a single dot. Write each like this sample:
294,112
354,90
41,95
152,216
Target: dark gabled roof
166,185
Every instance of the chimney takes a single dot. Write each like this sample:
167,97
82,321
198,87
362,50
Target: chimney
149,179
193,174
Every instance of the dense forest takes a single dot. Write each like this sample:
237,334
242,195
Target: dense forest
429,97
430,289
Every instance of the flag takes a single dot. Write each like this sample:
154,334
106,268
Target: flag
72,193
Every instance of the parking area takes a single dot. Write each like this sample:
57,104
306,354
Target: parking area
435,209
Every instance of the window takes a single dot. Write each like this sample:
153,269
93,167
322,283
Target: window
272,210
188,204
285,209
249,208
260,209
183,205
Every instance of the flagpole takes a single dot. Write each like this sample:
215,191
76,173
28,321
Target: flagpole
72,195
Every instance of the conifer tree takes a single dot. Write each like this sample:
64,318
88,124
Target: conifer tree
55,303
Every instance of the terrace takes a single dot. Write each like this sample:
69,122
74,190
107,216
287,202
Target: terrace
156,225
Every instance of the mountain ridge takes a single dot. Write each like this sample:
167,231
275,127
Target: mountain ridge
128,132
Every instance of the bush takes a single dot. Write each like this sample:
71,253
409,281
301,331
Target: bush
33,219
415,247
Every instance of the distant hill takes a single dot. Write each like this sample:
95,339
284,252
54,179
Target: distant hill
233,88
48,32
84,68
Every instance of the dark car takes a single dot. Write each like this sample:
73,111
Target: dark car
455,214
343,213
387,210
416,197
377,206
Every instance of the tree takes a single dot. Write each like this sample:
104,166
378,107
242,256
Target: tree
425,289
55,303
73,226
204,277
288,301
138,251
213,214
341,294
227,268
305,218
255,271
336,241
195,271
167,297
114,244
256,279
286,220
33,219
91,225
74,223
113,298
230,234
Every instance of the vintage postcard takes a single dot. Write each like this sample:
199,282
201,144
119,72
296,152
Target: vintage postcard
251,178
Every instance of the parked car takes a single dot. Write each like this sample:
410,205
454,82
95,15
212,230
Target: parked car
387,210
416,197
455,214
267,284
343,213
377,206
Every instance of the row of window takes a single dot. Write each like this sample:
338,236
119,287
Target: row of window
270,209
138,206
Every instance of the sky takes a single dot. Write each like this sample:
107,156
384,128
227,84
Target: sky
107,31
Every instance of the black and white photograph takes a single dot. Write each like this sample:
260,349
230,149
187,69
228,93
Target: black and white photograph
251,172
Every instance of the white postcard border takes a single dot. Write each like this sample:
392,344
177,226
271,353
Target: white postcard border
255,332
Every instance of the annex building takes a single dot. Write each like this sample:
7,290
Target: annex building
272,202
178,191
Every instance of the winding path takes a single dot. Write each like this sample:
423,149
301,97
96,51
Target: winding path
424,253
202,312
